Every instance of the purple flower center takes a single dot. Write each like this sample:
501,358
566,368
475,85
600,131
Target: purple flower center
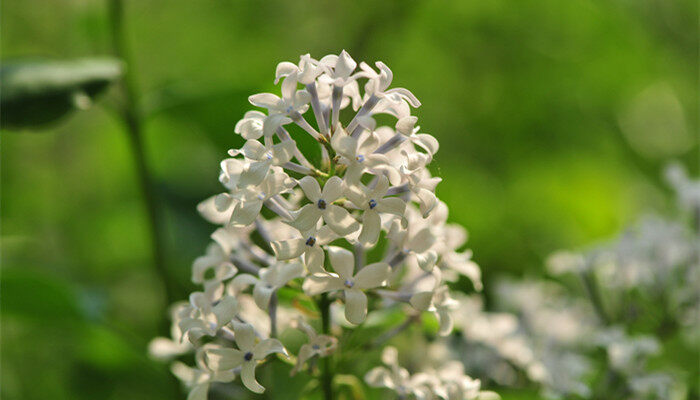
372,204
248,356
311,241
321,204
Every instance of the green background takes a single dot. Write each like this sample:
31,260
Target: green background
555,120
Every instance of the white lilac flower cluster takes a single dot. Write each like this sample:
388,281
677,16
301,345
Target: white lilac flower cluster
629,297
353,222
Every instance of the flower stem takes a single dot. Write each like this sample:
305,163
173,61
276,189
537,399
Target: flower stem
594,295
327,375
133,122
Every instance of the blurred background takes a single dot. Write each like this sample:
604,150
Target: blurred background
555,120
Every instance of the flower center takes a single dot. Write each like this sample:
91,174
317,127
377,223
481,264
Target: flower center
360,158
348,283
268,155
372,204
316,347
321,204
311,241
261,196
248,356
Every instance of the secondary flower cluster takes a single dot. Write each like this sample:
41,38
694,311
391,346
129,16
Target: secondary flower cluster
634,297
352,222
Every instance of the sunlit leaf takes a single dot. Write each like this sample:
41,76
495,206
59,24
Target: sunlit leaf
35,93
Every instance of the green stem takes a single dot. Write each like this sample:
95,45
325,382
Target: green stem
593,291
131,116
327,376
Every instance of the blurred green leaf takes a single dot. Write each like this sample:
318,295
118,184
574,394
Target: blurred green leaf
35,93
50,299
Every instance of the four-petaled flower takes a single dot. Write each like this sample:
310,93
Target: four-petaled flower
336,217
352,285
318,345
373,202
246,356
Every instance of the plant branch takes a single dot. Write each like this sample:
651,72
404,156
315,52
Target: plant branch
131,116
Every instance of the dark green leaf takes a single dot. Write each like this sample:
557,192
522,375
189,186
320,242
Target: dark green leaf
38,92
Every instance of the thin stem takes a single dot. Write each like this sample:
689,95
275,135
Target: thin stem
324,305
131,116
272,309
593,291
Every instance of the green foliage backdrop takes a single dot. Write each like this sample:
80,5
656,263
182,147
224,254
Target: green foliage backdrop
555,119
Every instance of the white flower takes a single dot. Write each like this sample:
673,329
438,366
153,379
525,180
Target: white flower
336,217
271,279
372,202
317,345
308,244
247,356
292,103
352,285
358,154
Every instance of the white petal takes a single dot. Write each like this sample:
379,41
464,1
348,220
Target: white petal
262,293
427,142
273,122
245,212
287,249
221,359
371,226
446,322
267,347
321,283
392,205
307,217
265,100
248,377
428,201
254,150
311,188
283,151
421,300
283,69
254,173
372,276
244,335
288,272
355,306
289,86
342,260
340,220
314,259
405,125
332,190
199,392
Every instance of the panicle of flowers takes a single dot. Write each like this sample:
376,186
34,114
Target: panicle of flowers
352,223
627,296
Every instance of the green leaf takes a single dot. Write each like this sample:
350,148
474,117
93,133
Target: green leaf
38,92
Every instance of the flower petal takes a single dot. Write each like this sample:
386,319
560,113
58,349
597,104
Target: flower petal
372,276
307,217
314,259
262,293
288,272
287,249
221,359
245,212
265,100
248,377
340,220
321,283
342,260
371,226
283,151
311,188
244,335
355,306
332,190
267,347
392,205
